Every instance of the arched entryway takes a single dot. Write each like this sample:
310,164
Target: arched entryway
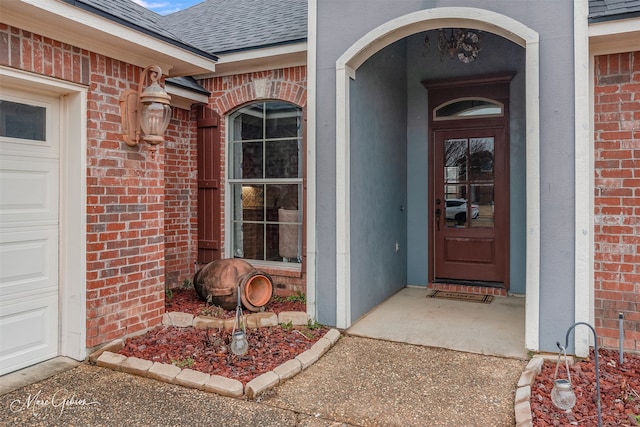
347,68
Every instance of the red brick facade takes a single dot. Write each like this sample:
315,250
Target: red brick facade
125,189
617,198
181,198
141,208
230,92
125,215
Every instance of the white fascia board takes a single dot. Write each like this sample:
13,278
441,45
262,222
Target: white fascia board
68,24
184,98
614,36
248,61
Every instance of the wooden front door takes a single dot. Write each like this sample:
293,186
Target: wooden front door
469,181
469,206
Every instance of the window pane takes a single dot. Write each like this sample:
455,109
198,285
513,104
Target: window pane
22,121
283,196
290,235
482,198
283,120
247,158
253,240
455,161
283,159
469,108
248,124
252,202
481,159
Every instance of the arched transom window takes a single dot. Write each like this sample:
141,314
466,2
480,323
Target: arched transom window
468,108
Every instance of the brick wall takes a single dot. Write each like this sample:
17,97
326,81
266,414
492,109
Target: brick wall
181,198
230,92
617,198
125,189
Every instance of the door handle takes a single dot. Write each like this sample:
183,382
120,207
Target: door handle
438,214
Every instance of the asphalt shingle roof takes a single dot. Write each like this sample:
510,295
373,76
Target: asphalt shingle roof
600,10
219,26
130,14
127,11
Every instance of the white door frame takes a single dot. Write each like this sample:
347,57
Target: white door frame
383,36
73,196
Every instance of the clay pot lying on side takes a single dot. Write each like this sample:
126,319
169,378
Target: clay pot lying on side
217,283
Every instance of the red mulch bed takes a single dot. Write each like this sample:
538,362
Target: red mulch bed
187,301
619,391
207,350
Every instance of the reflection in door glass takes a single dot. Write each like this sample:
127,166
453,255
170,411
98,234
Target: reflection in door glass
483,205
469,182
455,160
481,159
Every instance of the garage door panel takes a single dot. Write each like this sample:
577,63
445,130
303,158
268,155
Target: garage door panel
28,190
29,331
27,261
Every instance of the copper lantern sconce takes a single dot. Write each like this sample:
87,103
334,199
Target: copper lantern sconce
145,113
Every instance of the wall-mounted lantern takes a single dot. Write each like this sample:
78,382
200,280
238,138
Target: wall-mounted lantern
145,113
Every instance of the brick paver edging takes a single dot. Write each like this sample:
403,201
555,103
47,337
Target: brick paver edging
108,357
522,406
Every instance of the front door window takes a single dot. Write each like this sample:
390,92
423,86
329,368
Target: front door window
469,182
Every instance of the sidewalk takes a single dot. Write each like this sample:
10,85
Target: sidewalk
360,381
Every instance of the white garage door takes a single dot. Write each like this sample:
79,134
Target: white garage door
29,194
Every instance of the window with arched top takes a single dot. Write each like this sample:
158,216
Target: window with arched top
266,180
468,108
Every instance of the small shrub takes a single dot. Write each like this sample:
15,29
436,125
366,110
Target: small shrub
298,297
287,326
183,363
168,293
313,324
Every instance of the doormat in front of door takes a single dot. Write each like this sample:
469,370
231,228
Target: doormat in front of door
461,296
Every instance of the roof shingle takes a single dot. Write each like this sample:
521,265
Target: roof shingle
600,10
218,26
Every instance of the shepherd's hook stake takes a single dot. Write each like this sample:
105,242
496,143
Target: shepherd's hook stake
595,338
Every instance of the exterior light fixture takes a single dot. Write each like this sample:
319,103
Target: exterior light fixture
562,394
239,344
145,113
461,43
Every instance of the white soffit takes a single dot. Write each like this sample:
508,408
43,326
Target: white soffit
184,98
614,36
248,61
68,24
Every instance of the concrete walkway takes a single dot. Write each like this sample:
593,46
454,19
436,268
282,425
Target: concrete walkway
360,381
410,317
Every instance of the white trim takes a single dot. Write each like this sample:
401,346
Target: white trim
397,29
614,36
583,251
73,169
250,61
532,293
343,204
312,32
185,98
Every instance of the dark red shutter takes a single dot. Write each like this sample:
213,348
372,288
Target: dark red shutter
209,203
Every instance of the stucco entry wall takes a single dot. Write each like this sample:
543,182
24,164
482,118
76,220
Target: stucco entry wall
520,22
